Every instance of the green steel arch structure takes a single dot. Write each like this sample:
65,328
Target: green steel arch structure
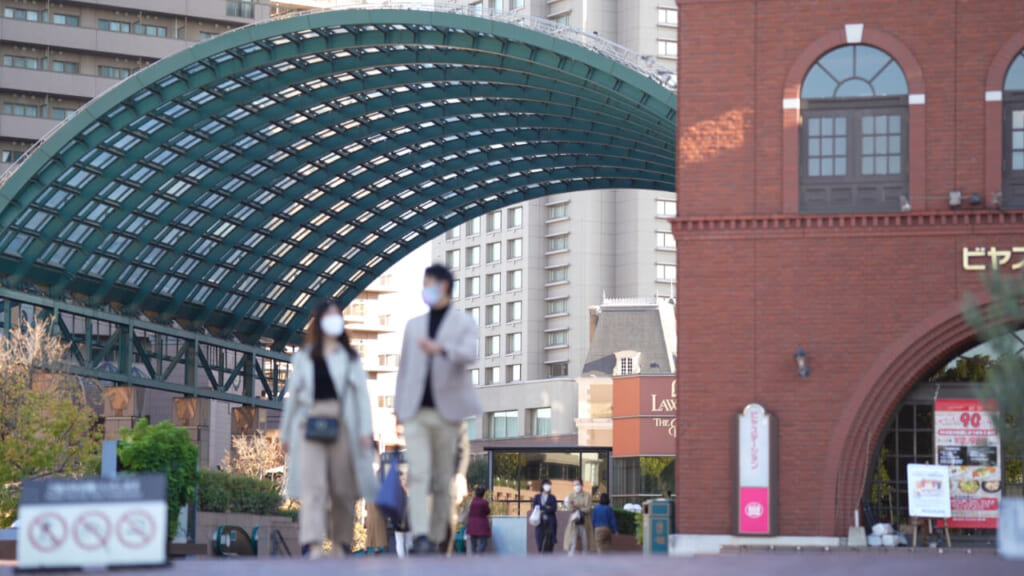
222,190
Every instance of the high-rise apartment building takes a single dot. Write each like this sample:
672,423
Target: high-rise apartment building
55,56
366,319
530,273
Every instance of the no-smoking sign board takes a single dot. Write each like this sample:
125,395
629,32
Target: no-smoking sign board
93,522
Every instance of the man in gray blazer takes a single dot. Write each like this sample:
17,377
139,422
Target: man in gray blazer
433,396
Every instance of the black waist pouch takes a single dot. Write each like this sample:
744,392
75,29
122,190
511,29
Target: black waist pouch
322,429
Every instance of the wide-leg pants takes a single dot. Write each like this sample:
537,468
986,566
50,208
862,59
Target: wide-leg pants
328,484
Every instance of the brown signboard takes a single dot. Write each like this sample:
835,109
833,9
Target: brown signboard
644,416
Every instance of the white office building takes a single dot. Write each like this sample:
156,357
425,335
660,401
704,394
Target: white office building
530,273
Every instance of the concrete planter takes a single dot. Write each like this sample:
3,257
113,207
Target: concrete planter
1010,536
209,521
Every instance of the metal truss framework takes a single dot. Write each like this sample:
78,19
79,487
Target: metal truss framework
225,188
112,350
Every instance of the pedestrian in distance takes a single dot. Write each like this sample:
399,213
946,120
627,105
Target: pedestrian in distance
604,524
579,534
478,525
545,534
327,432
433,396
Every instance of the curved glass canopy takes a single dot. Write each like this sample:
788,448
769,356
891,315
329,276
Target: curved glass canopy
229,186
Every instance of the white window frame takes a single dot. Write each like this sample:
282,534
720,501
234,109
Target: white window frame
514,311
514,343
668,48
665,240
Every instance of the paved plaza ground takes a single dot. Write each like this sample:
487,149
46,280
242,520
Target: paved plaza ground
919,563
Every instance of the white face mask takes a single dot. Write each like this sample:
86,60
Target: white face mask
578,488
332,325
547,487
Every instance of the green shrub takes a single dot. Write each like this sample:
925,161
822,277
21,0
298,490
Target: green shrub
626,521
292,513
162,448
224,492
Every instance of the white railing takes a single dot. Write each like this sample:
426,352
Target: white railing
633,301
645,65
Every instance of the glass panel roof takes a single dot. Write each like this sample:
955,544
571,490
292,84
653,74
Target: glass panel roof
234,195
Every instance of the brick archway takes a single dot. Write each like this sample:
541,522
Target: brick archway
994,112
791,109
895,371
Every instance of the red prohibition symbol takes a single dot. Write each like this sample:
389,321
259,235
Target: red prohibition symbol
47,532
91,530
136,528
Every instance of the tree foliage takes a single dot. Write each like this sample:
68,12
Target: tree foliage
254,455
997,325
162,448
46,428
965,369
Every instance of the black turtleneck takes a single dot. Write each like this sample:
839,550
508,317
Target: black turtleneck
436,315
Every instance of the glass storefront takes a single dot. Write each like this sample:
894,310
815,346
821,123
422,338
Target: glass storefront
640,478
515,475
909,438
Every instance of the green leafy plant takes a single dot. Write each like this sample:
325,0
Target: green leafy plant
627,521
965,369
224,492
162,448
997,324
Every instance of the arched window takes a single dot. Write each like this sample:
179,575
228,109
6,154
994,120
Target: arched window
1013,134
853,133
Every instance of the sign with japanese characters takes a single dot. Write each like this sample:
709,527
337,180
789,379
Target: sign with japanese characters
928,491
756,514
967,443
93,522
982,258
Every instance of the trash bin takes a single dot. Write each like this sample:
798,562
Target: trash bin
659,522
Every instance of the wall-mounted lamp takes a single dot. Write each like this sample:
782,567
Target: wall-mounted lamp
904,204
975,199
801,363
956,198
997,199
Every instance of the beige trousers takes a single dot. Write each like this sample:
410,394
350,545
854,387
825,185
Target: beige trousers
328,484
430,442
603,534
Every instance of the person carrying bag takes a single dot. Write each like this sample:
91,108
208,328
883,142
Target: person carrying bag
326,430
545,532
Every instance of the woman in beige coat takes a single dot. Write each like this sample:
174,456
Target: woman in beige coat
328,471
579,537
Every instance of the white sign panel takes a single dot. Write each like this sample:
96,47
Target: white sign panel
755,455
93,523
928,491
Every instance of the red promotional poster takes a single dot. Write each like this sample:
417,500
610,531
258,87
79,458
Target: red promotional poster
967,442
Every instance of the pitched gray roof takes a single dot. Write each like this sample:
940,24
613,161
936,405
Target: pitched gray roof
639,328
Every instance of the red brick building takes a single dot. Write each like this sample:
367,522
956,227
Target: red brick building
821,144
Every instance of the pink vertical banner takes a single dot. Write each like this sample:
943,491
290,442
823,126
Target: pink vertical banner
755,504
755,511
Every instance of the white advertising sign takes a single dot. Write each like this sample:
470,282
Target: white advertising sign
93,523
928,491
755,456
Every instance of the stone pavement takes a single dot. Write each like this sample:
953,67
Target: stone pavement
746,564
